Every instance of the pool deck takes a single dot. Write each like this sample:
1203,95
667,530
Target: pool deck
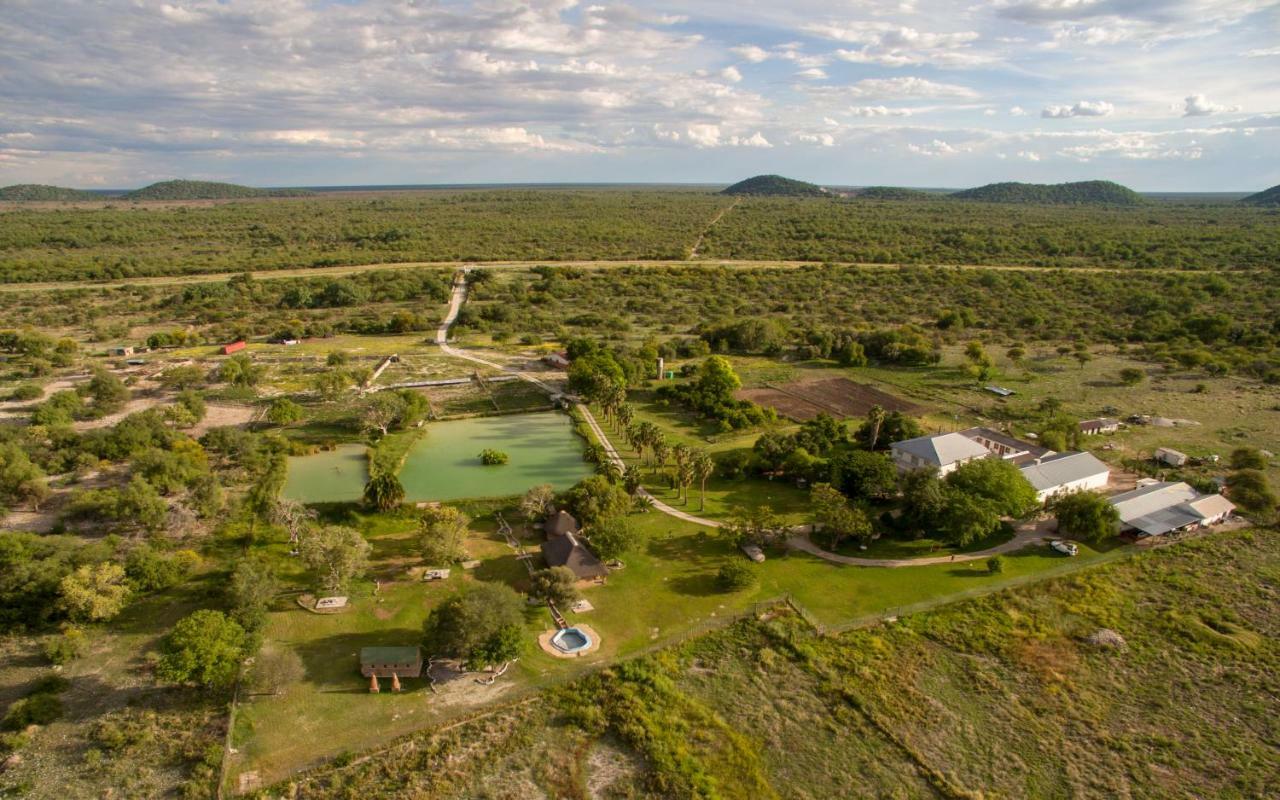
544,641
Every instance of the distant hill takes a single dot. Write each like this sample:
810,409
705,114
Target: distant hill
40,191
893,193
776,186
206,190
1081,193
1267,197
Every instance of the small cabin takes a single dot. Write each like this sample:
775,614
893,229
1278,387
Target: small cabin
1093,427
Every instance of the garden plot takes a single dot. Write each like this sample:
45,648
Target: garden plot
839,397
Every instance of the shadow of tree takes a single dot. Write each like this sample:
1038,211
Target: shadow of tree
332,663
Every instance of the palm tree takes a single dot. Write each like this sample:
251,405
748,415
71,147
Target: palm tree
625,415
681,453
660,452
384,492
632,479
610,470
875,418
703,467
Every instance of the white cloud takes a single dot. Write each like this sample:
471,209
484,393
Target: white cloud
822,139
899,45
749,52
879,111
1263,52
731,74
703,134
1029,155
1197,105
1084,108
907,87
935,148
812,74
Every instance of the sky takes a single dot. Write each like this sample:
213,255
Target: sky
1161,95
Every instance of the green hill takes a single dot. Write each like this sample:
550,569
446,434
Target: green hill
40,191
892,193
1267,197
1080,193
206,190
776,186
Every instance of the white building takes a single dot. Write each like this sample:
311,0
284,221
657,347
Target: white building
1064,473
1167,455
1163,507
943,452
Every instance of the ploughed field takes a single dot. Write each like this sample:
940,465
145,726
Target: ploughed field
838,397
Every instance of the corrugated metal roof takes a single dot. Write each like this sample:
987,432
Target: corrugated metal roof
942,449
1061,469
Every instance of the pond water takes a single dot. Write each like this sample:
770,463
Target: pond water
445,464
331,476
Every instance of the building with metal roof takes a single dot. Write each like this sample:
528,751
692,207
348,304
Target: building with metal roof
943,452
1062,473
1164,507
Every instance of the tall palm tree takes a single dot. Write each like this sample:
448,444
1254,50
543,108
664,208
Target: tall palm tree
703,467
610,470
875,418
681,453
660,452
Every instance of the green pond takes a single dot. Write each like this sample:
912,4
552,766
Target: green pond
445,464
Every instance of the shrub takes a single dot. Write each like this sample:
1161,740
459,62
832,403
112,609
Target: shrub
491,457
27,391
65,647
40,708
995,565
735,576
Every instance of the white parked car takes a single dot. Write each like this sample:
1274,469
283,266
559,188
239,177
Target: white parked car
1064,547
754,553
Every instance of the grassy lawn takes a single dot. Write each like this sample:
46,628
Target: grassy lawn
665,591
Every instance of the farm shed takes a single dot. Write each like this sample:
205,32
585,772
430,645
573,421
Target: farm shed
383,662
1006,446
1093,427
1063,473
234,347
1160,508
1169,456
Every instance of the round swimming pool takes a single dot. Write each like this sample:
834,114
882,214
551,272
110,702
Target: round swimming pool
570,640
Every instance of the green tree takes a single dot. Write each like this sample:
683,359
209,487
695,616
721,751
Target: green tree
441,533
997,481
107,391
758,526
330,384
95,592
837,518
614,537
593,500
21,480
337,554
1132,376
537,501
481,625
250,591
383,492
1086,516
965,518
1249,489
204,649
864,474
1241,458
284,411
239,370
736,575
556,584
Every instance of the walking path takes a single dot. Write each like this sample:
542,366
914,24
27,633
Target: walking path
693,253
799,541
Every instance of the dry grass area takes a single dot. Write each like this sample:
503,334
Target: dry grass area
1012,695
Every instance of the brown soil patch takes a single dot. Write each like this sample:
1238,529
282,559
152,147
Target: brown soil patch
839,397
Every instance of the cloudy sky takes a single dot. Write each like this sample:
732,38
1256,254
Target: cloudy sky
1158,94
